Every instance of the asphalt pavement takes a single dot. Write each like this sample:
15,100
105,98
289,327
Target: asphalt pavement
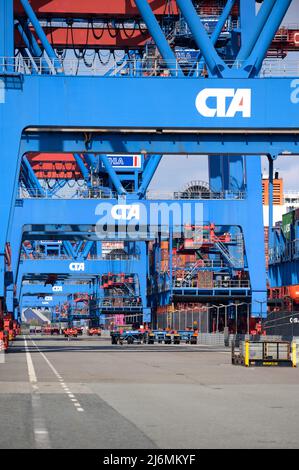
87,393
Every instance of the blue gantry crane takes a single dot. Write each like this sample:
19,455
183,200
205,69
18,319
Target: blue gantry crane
91,99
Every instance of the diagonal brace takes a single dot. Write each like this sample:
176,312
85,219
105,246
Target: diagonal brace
159,38
214,63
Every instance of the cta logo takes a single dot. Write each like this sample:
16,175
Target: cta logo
57,288
125,212
294,320
224,102
77,267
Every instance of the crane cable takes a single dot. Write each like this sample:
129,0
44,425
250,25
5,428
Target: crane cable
104,63
94,33
131,34
113,35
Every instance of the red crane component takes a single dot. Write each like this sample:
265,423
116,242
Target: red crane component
8,255
81,297
285,298
214,8
286,39
54,166
294,293
83,37
116,8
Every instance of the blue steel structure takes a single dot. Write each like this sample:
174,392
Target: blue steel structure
143,105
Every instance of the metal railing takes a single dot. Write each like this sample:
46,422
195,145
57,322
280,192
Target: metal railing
155,67
215,284
118,303
279,68
205,263
207,319
61,257
70,193
65,193
120,320
153,194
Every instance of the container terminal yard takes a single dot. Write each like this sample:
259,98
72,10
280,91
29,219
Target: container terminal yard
134,316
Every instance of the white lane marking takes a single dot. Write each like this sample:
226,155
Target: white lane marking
30,366
41,435
64,386
2,353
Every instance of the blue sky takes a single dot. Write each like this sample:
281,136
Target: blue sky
175,171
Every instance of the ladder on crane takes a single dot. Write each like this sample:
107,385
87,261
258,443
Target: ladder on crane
234,261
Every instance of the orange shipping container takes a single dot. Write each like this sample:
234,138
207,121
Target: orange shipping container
294,293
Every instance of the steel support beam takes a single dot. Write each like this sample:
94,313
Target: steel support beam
254,62
214,63
168,143
113,175
159,38
270,203
6,35
68,248
255,31
83,169
148,173
170,104
217,31
32,45
41,34
86,250
32,184
247,18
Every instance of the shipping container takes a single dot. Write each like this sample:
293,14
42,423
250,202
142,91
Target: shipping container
294,293
288,225
205,279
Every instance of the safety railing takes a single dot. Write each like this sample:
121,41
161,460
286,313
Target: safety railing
202,263
70,193
65,193
210,321
61,257
110,322
117,303
151,67
95,194
151,194
215,284
279,68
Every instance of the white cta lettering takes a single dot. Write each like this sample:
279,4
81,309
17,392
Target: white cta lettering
125,212
77,267
220,106
57,288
